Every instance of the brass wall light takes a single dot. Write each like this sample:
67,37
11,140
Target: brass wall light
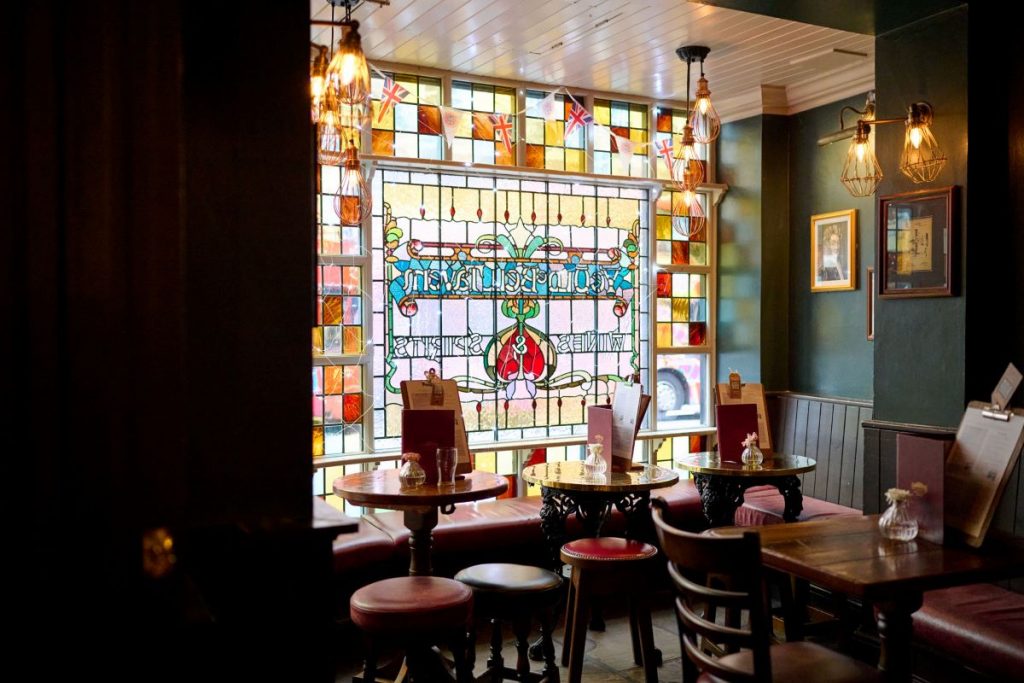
921,159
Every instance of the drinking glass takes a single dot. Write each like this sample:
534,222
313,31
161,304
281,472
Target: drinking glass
447,459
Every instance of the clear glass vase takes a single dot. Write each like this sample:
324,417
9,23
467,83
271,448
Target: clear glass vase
411,473
752,455
897,523
594,464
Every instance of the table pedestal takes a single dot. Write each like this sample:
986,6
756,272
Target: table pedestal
421,523
592,509
721,495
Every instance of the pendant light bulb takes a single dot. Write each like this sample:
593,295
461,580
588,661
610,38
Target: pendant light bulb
348,74
688,171
921,159
707,124
318,83
861,172
688,218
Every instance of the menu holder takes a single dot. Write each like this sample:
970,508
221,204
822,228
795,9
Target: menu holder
922,460
434,393
988,444
728,394
734,421
423,432
629,405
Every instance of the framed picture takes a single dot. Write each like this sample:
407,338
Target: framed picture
870,289
916,232
834,251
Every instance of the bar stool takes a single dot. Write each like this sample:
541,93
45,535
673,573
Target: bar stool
514,593
415,612
604,567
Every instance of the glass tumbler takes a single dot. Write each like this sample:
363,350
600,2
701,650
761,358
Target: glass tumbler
447,459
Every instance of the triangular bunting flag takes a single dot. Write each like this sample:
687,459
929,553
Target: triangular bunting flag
548,107
625,147
391,94
665,152
578,117
451,119
504,126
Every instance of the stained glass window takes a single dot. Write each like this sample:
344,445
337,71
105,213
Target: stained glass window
680,240
338,409
412,127
547,146
477,139
530,294
669,126
339,318
334,236
625,120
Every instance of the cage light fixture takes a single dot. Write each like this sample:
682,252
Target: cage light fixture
707,124
688,170
921,159
352,200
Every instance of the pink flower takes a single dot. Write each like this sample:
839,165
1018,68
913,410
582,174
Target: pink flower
751,440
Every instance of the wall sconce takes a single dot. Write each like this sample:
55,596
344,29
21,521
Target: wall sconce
921,159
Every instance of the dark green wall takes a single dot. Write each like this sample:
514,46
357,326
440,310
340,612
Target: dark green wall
828,350
920,343
739,250
775,253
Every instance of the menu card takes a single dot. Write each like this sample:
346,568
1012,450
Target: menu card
979,465
629,405
734,421
423,432
921,459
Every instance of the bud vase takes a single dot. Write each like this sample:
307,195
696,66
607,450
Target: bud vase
752,455
897,523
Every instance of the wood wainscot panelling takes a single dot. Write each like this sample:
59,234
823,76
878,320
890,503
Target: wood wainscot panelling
829,431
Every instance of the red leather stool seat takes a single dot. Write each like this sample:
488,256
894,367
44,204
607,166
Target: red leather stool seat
607,549
411,603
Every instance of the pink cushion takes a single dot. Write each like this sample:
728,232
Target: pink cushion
981,625
607,548
366,547
765,505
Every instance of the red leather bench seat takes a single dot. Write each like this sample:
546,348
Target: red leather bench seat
981,625
368,546
764,505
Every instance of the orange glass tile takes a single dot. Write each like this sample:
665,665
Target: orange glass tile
334,382
352,340
332,310
680,253
383,143
665,121
318,441
428,120
318,341
698,334
353,407
503,158
483,128
535,156
664,284
353,378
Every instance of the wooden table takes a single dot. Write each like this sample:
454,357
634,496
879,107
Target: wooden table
566,488
849,555
721,483
382,489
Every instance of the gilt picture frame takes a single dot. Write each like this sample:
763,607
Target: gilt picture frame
834,251
917,235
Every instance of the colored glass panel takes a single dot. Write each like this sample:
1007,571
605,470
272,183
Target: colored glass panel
532,331
333,238
412,127
624,120
669,125
337,410
558,151
680,241
482,102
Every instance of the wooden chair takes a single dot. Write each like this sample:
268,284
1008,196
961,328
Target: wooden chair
711,573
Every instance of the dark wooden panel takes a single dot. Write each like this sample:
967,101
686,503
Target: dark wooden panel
858,480
886,465
835,452
799,443
869,480
811,449
823,451
851,436
790,424
1004,518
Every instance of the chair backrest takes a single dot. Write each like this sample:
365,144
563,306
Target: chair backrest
709,574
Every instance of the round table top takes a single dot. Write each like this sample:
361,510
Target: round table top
777,465
569,476
381,488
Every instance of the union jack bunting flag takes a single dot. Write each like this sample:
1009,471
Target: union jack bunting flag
665,152
578,116
504,126
391,94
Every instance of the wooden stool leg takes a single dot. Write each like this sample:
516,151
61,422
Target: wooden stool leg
471,645
578,636
370,663
495,662
521,628
644,626
634,634
570,606
547,621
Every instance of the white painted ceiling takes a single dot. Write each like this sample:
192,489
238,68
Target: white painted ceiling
619,46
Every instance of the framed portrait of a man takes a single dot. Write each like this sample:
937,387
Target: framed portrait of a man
834,251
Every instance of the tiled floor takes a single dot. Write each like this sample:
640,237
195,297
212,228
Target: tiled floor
608,657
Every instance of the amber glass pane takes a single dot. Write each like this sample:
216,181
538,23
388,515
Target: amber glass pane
665,284
535,156
353,340
353,407
680,253
318,441
383,142
665,121
334,379
429,120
